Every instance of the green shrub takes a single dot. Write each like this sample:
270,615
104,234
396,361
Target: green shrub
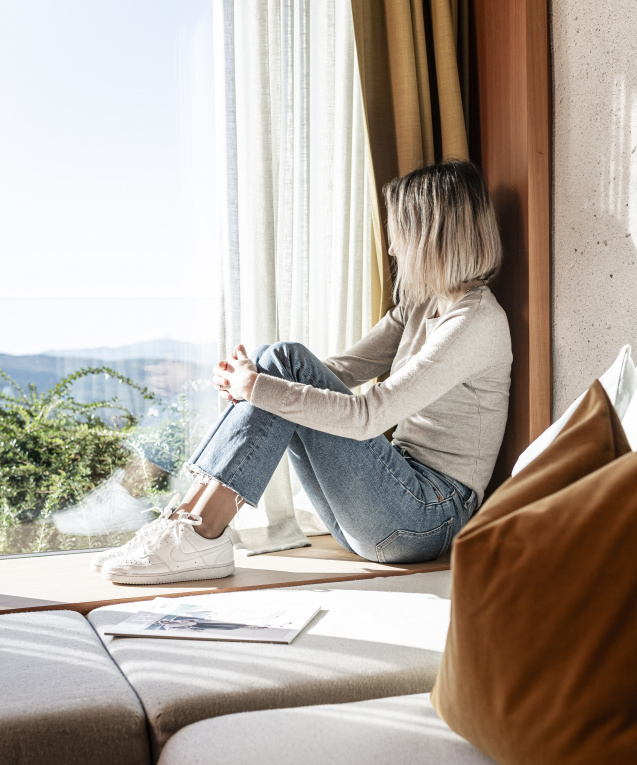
54,449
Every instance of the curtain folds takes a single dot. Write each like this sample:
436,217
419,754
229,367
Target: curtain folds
318,105
292,204
413,96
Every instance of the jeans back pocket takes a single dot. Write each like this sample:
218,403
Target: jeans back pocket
403,546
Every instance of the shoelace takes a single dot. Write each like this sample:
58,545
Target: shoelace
167,511
178,526
150,528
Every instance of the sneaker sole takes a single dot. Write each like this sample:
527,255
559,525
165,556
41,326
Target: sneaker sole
194,575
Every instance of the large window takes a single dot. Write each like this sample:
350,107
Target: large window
107,295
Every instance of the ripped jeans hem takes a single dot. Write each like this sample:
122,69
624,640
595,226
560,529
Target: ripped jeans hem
198,474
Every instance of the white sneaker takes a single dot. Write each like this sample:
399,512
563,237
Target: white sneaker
174,553
98,560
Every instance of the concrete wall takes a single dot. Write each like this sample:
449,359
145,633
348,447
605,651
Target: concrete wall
595,189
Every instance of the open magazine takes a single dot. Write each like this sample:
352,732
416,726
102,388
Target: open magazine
201,620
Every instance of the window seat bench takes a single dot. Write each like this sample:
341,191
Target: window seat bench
65,581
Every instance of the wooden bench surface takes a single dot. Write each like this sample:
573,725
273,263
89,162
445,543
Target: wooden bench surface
66,581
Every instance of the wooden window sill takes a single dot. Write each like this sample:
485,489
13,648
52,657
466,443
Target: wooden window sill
66,581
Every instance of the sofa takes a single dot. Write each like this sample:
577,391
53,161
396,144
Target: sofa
355,684
356,679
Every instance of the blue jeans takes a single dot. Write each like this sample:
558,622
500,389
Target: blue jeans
374,499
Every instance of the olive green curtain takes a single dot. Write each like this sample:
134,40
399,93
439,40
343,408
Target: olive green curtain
413,92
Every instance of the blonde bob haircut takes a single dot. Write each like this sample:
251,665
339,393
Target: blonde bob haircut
443,230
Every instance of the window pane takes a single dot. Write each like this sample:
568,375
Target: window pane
105,230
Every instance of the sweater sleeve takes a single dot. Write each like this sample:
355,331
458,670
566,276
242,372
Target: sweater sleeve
459,348
373,354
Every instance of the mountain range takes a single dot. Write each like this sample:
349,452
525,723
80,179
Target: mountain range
164,366
175,350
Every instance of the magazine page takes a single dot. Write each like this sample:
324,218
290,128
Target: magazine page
253,623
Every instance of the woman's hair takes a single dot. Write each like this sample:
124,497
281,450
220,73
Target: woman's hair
443,230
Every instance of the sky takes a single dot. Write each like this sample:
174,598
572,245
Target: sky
105,173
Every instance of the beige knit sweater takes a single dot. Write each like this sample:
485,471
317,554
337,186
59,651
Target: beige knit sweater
447,393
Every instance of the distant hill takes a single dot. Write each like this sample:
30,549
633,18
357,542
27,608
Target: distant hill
164,366
175,350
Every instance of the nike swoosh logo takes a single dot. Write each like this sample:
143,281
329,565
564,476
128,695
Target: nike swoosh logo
179,556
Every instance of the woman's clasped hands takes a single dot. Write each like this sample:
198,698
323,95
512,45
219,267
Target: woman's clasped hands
235,378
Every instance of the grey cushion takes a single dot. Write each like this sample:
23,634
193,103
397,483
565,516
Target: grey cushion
403,729
62,699
375,637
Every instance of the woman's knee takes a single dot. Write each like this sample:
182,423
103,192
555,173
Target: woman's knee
256,354
283,354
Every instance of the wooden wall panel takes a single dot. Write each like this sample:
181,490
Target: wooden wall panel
510,136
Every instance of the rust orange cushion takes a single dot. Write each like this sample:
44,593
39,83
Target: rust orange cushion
540,665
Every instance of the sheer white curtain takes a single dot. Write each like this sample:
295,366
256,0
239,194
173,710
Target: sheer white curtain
292,212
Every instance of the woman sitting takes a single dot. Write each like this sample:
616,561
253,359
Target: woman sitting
448,349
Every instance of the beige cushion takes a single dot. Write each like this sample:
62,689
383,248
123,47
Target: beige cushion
62,699
402,729
375,637
620,383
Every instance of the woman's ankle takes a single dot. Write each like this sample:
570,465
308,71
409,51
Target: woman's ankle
208,532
